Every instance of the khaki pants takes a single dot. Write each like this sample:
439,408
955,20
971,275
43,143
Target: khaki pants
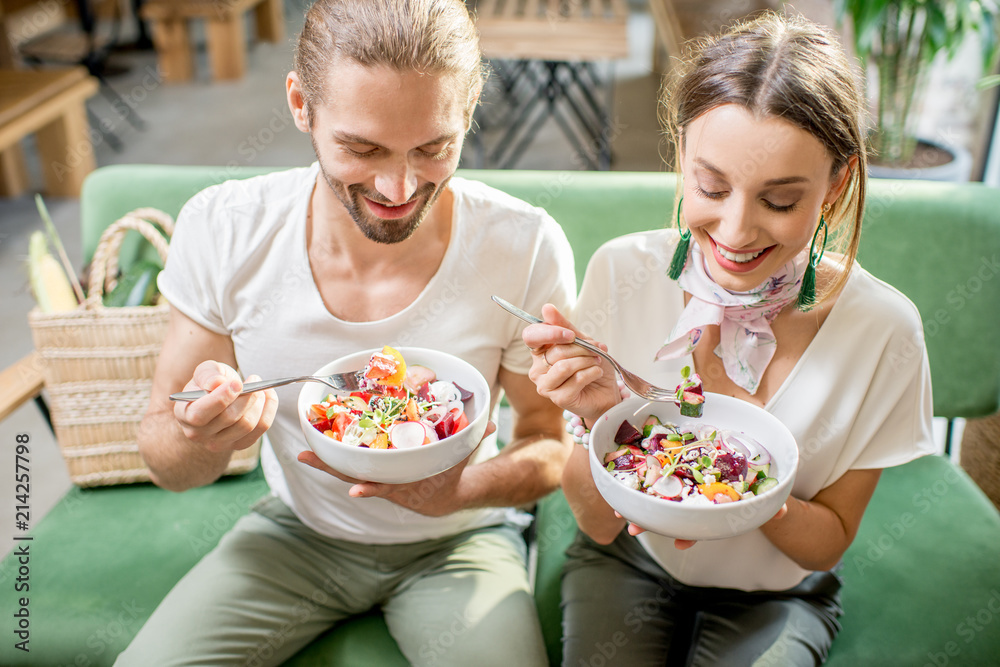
272,585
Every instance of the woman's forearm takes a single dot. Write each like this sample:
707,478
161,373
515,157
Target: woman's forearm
593,514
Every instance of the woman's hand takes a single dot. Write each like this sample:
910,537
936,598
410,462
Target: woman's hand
567,374
635,530
679,544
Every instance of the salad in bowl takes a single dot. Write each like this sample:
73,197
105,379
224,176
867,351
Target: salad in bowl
713,477
417,413
398,406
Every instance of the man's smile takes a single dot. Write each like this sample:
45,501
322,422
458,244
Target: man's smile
388,212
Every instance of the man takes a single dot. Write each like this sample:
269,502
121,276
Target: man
374,244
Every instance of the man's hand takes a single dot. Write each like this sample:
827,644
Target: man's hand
223,420
439,495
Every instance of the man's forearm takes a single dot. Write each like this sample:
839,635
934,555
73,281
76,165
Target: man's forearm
176,463
524,471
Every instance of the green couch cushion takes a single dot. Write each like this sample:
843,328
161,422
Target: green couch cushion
103,558
922,578
101,561
555,528
939,244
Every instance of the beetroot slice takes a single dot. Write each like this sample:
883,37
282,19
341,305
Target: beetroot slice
627,434
444,426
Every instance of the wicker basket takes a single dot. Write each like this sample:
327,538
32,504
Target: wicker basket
980,454
98,368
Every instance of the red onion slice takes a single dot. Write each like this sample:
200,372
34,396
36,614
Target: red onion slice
757,455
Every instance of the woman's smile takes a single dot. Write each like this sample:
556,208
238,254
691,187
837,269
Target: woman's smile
739,261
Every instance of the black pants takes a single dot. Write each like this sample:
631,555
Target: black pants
621,608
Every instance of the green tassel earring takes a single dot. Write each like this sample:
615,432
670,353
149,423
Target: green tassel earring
681,253
807,294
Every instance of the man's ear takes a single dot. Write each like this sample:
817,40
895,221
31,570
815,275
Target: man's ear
297,101
473,103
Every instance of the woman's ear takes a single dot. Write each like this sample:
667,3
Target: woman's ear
297,101
841,179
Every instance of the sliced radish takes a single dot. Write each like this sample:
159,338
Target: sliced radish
668,487
653,469
407,435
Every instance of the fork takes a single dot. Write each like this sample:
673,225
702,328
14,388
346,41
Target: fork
350,381
636,384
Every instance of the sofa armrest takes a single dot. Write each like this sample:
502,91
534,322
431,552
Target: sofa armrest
19,383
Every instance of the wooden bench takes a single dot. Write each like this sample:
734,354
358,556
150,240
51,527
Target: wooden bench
169,21
20,382
51,105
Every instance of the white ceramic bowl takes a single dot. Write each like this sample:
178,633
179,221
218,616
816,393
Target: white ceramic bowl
697,522
398,466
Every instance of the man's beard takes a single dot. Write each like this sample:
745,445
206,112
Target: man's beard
377,229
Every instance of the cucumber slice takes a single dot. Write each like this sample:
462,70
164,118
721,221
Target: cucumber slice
763,485
647,426
692,409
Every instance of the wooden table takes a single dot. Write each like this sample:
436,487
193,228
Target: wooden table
545,54
557,30
51,105
169,21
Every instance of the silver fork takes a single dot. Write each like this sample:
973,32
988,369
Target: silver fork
636,384
339,382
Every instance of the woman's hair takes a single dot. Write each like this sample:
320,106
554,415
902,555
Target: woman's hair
790,68
428,36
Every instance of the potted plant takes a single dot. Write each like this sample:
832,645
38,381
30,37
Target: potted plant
897,40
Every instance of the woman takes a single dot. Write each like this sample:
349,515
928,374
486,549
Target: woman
771,163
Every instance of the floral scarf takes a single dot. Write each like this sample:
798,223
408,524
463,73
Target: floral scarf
746,343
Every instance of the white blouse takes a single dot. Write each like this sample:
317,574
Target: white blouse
858,398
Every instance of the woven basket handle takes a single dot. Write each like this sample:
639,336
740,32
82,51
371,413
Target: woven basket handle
104,267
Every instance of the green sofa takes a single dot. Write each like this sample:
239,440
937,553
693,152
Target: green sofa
922,578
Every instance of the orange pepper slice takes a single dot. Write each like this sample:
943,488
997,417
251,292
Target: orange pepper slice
412,411
387,367
710,491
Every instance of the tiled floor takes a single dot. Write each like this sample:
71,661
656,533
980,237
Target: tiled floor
247,123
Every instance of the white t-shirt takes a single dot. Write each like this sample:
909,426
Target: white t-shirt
858,398
238,266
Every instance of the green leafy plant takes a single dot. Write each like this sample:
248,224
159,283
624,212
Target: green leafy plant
897,40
